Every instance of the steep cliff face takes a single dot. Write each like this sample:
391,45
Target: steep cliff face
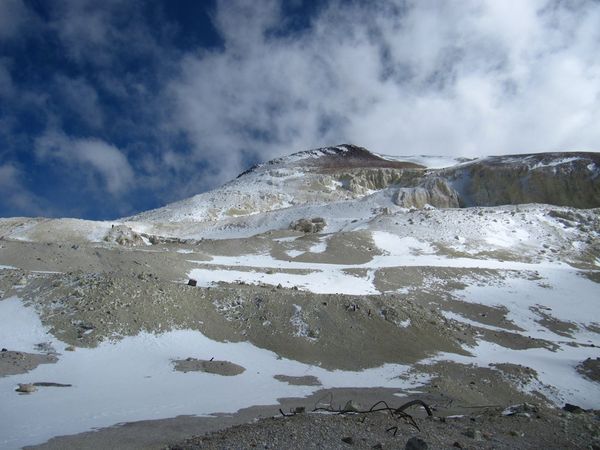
433,191
365,180
562,179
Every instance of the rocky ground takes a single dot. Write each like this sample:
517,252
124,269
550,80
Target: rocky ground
89,293
308,423
529,427
83,309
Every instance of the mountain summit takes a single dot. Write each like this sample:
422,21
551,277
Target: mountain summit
345,156
348,172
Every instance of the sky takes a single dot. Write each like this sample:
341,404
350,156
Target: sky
112,107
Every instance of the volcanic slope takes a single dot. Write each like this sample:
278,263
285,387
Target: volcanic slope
459,282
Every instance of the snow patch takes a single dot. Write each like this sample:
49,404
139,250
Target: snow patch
557,377
319,247
133,379
556,162
397,246
294,253
21,328
302,329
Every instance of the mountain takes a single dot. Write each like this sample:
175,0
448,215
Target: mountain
333,174
333,273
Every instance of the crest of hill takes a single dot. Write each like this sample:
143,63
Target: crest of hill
341,157
348,173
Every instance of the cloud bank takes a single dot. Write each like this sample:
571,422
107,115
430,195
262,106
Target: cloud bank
457,78
147,104
103,159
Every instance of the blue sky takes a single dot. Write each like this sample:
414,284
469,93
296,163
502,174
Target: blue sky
110,108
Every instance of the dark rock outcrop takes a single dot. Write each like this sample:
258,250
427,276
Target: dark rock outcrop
433,191
562,179
313,225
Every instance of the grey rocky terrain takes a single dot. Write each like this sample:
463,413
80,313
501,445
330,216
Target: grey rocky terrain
334,273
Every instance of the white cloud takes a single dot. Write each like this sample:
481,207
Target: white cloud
100,33
15,196
102,158
459,77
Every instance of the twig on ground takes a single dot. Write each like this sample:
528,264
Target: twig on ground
396,412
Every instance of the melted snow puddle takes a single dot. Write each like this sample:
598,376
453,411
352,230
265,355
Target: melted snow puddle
133,379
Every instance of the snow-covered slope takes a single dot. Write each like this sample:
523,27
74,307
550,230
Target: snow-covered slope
347,173
308,177
355,269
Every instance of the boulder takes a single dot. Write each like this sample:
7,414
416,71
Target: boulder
313,225
415,443
26,388
123,235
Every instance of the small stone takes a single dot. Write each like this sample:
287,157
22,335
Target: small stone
521,410
457,444
379,445
516,433
348,440
4,350
351,406
192,282
70,348
26,387
572,408
473,434
299,410
415,443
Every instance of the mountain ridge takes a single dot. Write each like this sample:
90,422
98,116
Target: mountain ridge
347,172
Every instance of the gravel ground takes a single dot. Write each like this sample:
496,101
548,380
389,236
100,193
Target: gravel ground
532,428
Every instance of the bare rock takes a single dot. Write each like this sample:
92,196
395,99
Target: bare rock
415,443
12,362
434,191
225,368
314,225
590,368
26,388
473,434
306,380
123,235
351,406
573,408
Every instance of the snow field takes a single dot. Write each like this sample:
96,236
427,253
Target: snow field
133,379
